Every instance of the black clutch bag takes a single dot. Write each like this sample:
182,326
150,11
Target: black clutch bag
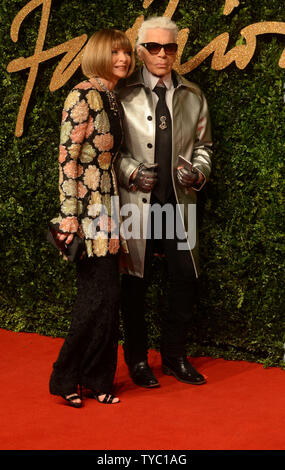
73,251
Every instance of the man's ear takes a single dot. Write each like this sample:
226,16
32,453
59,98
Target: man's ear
140,53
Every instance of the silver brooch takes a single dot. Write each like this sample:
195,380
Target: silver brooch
162,124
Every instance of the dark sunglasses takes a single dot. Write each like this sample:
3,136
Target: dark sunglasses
154,48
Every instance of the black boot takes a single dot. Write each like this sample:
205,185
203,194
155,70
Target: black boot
182,370
142,375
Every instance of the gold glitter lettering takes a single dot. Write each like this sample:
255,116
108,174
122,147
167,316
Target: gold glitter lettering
241,54
230,6
64,70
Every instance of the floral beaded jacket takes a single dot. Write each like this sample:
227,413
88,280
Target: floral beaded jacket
91,134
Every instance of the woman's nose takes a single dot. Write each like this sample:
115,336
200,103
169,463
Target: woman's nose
122,57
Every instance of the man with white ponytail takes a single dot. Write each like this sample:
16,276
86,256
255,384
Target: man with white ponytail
165,161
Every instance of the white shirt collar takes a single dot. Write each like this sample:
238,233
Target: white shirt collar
151,80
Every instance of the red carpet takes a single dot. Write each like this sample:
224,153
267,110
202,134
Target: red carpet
242,407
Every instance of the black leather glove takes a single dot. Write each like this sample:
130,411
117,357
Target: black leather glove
145,178
186,177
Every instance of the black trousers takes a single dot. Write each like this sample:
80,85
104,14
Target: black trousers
181,298
89,353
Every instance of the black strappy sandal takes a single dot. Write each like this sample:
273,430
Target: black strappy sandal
107,400
71,400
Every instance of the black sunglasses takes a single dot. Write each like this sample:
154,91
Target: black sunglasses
154,48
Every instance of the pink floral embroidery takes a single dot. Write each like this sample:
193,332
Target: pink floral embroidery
60,176
79,170
64,115
62,153
90,127
104,160
81,190
114,245
106,223
69,224
80,112
78,133
104,141
70,169
84,85
92,177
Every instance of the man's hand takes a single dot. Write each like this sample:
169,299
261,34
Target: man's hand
144,178
187,178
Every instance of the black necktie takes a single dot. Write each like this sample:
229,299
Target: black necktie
163,146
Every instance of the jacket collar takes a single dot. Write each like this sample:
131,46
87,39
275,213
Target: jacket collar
136,79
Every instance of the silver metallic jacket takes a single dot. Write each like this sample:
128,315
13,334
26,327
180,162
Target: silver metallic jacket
191,138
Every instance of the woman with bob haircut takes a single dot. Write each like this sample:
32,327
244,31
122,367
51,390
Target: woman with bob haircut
91,135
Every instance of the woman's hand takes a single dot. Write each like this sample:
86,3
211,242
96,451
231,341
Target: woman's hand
65,237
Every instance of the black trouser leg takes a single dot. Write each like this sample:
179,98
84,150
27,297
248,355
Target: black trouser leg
181,294
133,315
89,353
181,299
133,294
